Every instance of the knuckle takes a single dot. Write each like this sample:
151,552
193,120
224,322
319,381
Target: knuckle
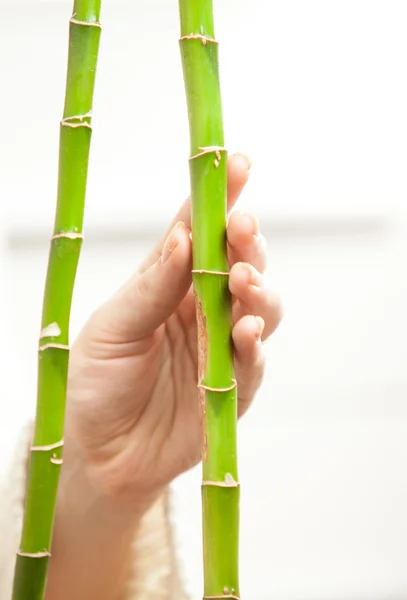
142,287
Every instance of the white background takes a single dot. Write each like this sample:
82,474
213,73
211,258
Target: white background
316,91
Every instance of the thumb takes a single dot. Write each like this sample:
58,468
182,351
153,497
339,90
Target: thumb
149,298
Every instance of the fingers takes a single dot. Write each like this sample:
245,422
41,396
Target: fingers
247,258
249,358
245,243
238,174
253,298
149,298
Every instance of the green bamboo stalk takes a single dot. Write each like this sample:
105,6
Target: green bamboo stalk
216,379
46,451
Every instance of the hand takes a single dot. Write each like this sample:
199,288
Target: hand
132,395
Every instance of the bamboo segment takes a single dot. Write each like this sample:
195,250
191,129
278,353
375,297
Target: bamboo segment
46,452
216,379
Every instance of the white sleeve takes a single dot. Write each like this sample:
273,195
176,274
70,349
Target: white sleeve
154,573
12,491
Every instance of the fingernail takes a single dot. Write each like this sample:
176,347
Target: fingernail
260,327
247,158
171,242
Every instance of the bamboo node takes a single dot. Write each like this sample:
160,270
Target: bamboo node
85,23
77,121
229,481
87,115
75,125
212,389
221,484
70,235
205,271
198,36
223,596
208,150
227,590
43,554
47,447
55,346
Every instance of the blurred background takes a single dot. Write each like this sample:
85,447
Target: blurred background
316,92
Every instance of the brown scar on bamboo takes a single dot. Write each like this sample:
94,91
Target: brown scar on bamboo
208,150
224,389
56,461
199,36
47,447
54,346
202,359
43,554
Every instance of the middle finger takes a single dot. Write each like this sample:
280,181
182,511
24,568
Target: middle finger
245,243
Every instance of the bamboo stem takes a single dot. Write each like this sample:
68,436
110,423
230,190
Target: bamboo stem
216,380
46,451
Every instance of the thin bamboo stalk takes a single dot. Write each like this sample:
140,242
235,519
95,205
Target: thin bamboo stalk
216,379
46,451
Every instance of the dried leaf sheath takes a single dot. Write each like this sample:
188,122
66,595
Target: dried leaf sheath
217,385
46,455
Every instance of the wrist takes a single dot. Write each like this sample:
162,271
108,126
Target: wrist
84,491
93,535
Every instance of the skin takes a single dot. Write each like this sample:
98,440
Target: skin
132,423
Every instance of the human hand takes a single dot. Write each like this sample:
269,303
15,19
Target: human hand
133,406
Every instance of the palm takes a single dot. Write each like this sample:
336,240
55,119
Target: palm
142,403
170,399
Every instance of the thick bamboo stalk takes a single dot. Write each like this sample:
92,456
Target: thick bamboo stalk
46,452
216,382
